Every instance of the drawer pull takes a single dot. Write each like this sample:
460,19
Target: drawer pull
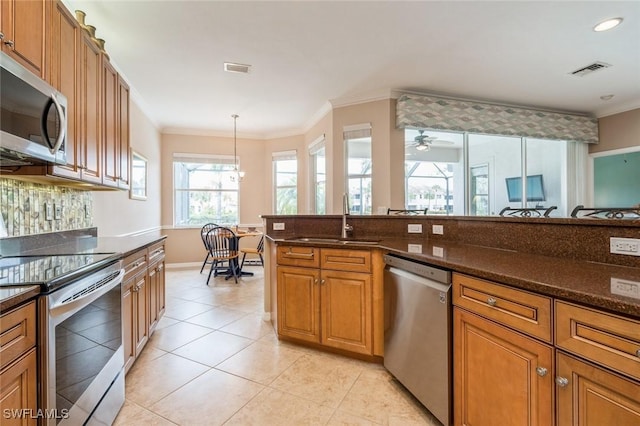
562,381
638,353
305,255
491,301
541,371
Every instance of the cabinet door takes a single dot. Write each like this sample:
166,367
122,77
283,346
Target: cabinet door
18,391
123,128
498,376
129,327
299,303
23,33
594,396
63,67
346,311
141,290
110,131
91,95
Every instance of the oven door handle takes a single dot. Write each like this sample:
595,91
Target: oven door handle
60,308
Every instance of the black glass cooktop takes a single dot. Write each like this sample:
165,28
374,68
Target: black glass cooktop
46,269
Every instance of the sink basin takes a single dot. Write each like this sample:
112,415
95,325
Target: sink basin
332,241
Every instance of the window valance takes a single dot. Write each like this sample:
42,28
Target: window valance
438,113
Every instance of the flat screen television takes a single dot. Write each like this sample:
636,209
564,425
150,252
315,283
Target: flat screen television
535,188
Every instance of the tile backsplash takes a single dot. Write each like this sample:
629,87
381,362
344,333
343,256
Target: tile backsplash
22,207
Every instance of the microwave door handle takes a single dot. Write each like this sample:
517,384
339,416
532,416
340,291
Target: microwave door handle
63,126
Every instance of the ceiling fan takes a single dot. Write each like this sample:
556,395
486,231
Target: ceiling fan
423,142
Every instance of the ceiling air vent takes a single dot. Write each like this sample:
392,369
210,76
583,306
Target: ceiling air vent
232,67
590,69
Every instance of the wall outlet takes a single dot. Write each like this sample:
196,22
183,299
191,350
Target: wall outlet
437,229
625,288
414,228
57,211
278,226
48,211
629,246
87,211
438,251
414,248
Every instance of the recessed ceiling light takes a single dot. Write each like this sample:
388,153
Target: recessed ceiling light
607,25
606,97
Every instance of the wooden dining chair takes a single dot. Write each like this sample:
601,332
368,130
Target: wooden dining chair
258,250
203,233
222,244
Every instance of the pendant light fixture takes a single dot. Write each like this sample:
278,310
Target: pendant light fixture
237,174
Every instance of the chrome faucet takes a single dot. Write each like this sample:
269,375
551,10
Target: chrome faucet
346,228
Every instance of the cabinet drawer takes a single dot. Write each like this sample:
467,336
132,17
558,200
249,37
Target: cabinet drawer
607,339
298,256
156,252
135,263
346,260
17,333
526,312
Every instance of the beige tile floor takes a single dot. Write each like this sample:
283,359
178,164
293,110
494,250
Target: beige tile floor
214,361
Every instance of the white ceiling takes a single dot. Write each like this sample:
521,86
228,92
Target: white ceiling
305,54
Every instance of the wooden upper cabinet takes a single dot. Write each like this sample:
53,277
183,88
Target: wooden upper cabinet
23,32
63,73
123,124
110,134
90,115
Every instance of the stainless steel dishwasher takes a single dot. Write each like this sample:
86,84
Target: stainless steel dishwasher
417,337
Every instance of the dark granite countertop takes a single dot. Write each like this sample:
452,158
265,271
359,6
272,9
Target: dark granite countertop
589,283
11,297
118,247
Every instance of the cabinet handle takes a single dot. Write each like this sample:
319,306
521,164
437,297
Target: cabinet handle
1,35
9,43
321,282
562,381
491,301
541,371
292,254
638,353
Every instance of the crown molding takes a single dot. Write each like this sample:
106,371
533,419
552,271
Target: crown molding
372,96
626,107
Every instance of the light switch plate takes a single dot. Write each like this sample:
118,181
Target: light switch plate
437,229
48,211
57,211
278,226
414,248
414,228
438,251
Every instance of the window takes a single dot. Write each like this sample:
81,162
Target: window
491,170
285,176
358,154
204,190
318,176
433,171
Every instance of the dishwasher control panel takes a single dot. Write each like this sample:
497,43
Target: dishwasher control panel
421,269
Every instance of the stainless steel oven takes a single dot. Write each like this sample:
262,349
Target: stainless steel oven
83,363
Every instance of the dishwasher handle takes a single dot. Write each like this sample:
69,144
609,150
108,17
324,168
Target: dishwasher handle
417,279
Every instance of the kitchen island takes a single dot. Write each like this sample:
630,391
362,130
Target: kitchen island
546,323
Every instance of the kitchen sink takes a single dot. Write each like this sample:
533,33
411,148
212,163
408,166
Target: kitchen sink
331,241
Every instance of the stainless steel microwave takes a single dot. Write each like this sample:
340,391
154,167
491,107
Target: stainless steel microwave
32,116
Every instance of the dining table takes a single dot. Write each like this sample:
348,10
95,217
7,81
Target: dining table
234,244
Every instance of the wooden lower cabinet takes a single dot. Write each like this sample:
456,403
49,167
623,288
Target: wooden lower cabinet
134,316
346,311
299,303
590,395
18,391
18,366
330,307
143,299
500,376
